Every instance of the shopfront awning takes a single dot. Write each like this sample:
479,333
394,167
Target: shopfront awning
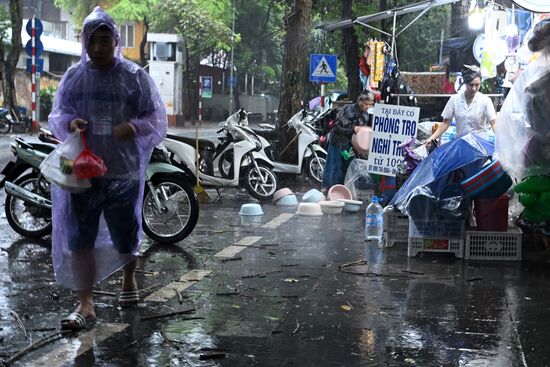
406,9
539,6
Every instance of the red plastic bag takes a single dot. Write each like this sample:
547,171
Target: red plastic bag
87,164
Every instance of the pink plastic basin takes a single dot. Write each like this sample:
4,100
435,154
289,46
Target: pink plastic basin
339,192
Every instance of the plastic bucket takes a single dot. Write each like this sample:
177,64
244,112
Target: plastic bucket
492,214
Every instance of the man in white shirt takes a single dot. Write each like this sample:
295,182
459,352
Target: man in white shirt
472,110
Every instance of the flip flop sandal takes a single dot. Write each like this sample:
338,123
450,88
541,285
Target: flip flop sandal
128,298
76,321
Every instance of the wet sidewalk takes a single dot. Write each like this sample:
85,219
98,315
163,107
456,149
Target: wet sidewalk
282,290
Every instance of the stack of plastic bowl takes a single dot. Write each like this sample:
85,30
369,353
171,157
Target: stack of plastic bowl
338,192
351,205
284,197
332,207
313,196
309,209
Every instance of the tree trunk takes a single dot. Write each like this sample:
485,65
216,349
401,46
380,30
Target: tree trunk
9,65
188,85
298,24
143,42
351,52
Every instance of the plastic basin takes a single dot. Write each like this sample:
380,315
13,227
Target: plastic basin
251,209
313,196
339,192
288,200
361,140
281,193
351,205
309,209
332,207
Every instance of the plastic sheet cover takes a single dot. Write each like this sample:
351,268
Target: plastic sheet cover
522,136
82,253
358,178
461,157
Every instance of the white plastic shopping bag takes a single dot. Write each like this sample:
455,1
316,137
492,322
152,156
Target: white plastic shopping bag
57,167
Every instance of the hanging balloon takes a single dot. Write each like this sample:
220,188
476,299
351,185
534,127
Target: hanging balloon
497,50
512,38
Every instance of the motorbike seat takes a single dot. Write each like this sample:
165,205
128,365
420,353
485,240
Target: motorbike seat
270,135
204,144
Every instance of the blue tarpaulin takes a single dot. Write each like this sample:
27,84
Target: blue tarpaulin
467,154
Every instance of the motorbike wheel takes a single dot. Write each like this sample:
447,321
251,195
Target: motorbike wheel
316,167
4,126
179,213
225,164
26,219
254,185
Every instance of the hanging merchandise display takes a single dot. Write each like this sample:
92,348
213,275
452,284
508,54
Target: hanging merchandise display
379,62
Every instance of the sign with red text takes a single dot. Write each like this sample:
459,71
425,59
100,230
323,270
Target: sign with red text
391,126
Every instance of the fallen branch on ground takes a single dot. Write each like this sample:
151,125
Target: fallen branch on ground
169,314
19,321
353,263
38,344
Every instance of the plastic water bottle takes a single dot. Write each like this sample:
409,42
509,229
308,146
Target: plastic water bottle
374,220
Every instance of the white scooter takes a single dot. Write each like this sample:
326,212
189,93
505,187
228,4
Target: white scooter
250,165
311,156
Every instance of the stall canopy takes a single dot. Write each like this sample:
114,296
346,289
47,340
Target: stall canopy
422,6
540,6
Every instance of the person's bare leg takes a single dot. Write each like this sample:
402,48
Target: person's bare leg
128,276
83,263
86,305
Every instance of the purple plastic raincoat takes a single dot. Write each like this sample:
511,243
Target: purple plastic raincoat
99,231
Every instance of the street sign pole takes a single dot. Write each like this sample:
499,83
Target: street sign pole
33,75
200,100
322,97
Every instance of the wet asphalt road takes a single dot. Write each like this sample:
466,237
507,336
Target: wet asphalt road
269,291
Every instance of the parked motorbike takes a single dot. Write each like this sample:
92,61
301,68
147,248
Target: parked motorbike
311,156
170,207
6,120
10,122
251,167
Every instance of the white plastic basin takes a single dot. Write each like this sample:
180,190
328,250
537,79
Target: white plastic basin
309,209
332,207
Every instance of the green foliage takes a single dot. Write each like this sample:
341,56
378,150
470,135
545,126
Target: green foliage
132,9
79,9
5,26
260,24
418,46
46,100
202,23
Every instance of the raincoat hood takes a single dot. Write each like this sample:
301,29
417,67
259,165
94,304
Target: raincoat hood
96,19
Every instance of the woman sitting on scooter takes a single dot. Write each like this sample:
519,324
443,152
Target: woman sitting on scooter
340,153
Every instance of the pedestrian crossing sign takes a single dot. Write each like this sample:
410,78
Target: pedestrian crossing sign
322,68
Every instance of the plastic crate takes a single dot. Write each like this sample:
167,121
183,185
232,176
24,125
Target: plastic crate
452,245
503,246
396,228
439,229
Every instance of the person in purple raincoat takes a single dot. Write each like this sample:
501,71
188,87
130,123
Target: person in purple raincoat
116,103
